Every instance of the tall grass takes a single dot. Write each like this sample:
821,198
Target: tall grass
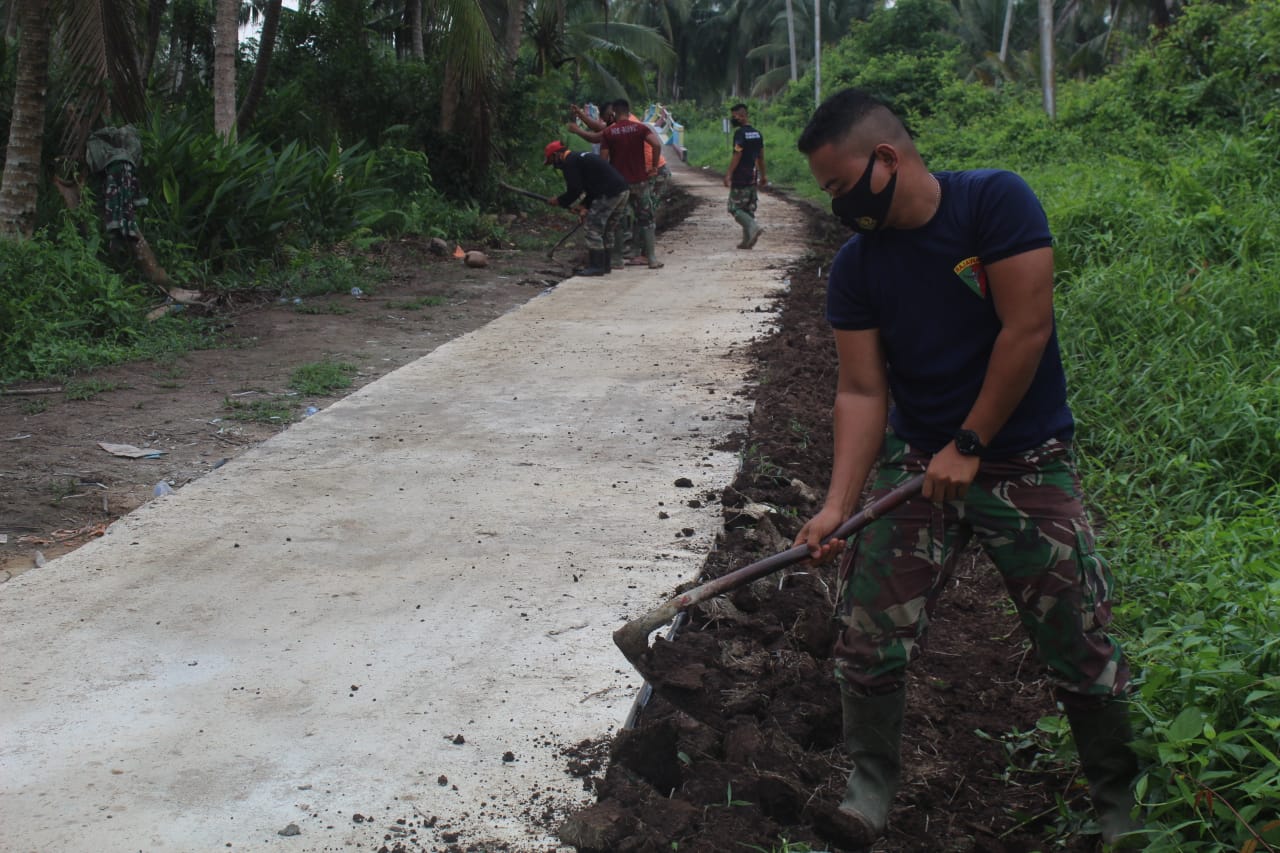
1169,305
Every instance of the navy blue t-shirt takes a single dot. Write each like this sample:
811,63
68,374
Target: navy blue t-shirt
750,142
590,174
925,290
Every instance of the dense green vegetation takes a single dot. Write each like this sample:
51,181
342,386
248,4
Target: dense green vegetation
1158,172
349,121
1162,185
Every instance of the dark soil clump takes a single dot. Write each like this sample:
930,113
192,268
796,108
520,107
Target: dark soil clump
740,743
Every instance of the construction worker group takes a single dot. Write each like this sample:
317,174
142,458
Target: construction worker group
618,186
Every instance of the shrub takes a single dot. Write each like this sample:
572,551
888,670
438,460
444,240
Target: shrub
62,310
233,202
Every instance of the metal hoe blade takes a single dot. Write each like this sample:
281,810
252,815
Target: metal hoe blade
633,637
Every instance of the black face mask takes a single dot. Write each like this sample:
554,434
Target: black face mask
737,121
860,208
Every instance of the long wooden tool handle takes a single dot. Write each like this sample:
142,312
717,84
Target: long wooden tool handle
567,235
633,638
529,193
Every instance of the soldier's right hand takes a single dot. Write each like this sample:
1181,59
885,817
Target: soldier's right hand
818,528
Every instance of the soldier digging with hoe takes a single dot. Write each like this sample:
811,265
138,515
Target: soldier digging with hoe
605,192
943,302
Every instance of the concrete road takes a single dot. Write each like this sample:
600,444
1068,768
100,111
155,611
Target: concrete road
385,623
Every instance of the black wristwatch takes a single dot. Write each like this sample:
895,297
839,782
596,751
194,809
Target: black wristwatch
968,443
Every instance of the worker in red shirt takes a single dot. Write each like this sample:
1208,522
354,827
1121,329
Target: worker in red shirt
659,181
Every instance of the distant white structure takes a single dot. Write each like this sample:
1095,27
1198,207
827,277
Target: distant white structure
670,131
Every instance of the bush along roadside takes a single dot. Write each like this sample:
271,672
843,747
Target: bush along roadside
228,219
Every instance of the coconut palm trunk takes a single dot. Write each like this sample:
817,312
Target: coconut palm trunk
1046,56
258,83
514,29
225,40
1004,35
155,17
20,182
413,13
791,38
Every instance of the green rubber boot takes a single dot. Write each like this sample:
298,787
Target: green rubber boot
650,253
1103,737
616,256
873,739
746,221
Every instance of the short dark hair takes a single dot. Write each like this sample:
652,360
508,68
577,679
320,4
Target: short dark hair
839,114
622,105
737,107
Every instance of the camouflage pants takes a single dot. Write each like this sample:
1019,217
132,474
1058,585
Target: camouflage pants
637,216
1027,514
642,205
602,220
742,199
660,185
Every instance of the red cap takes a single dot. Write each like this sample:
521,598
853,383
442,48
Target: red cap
552,149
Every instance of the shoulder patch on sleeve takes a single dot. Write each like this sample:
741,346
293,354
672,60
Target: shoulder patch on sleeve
974,275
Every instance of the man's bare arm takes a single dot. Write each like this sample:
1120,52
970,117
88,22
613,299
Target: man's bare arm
593,136
655,143
859,416
1021,290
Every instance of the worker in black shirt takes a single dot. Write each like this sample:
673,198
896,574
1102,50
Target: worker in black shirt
605,192
746,170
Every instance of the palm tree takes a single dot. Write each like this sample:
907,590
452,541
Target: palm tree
609,57
470,51
678,23
21,177
1047,71
258,83
781,25
791,40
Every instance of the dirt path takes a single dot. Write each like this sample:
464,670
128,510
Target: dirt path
391,621
59,489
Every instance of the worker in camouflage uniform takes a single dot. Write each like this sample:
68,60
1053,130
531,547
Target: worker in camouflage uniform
943,302
746,170
603,193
